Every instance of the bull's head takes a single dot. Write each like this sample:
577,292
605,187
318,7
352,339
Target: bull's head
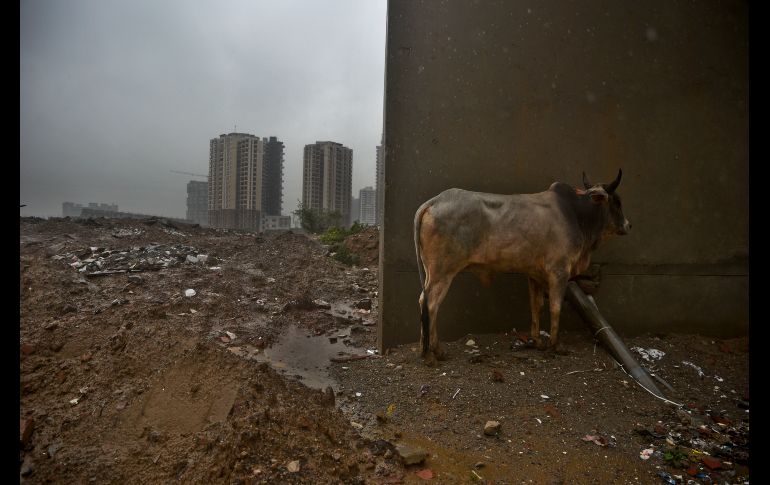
605,194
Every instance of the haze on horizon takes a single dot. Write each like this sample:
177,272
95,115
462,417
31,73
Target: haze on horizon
114,95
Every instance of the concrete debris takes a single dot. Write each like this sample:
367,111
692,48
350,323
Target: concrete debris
153,257
411,455
189,292
293,466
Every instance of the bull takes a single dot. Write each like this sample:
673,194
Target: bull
549,236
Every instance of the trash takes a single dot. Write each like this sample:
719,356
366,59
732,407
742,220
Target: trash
322,304
215,268
544,396
192,259
293,466
598,439
231,335
667,478
357,425
711,463
424,389
425,474
391,409
358,394
650,355
538,421
492,428
189,292
470,343
371,351
646,453
690,364
475,476
456,392
74,401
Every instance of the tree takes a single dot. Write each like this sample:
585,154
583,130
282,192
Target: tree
316,220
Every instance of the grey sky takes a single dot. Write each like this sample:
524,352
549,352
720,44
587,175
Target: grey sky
115,94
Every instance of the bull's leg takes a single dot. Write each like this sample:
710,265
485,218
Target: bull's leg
535,305
436,292
557,286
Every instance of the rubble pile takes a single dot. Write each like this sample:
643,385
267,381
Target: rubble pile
95,261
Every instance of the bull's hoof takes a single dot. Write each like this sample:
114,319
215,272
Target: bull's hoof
430,360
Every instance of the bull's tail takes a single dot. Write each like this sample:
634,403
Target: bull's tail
424,315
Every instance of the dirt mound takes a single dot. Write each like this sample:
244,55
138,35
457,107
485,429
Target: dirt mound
365,245
124,378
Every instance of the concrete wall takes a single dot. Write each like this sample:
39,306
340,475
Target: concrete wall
509,96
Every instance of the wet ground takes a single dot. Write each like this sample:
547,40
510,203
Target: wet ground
268,374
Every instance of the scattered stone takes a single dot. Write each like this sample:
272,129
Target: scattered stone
192,259
365,304
470,343
134,278
322,304
411,455
27,466
293,466
492,428
189,293
51,326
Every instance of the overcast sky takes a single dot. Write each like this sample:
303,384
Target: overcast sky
115,94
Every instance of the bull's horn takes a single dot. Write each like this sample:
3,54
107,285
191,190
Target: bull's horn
586,183
614,185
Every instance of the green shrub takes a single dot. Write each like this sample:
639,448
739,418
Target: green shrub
344,256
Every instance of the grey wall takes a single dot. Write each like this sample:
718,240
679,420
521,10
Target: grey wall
509,96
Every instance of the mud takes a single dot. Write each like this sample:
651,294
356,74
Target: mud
124,379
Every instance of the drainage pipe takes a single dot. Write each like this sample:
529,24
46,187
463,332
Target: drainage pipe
604,332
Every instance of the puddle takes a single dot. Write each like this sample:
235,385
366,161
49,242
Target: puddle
297,352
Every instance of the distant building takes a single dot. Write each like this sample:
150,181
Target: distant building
327,178
276,223
272,176
355,210
70,209
380,180
368,198
235,181
198,202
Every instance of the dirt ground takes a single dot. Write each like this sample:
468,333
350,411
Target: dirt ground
268,374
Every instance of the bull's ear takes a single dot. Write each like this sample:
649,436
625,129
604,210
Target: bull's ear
598,195
614,185
586,183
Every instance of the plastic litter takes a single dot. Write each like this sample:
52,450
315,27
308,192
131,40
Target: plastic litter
650,355
667,478
646,453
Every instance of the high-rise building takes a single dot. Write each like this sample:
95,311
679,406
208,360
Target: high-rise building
355,210
368,198
380,180
235,181
327,178
272,177
198,202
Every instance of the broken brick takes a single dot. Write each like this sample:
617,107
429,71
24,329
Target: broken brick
711,462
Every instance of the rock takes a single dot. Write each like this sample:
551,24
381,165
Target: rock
322,304
365,304
189,293
470,343
411,455
191,259
293,466
134,278
25,430
491,428
51,326
27,466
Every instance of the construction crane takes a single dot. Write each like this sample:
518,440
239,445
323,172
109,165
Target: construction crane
189,173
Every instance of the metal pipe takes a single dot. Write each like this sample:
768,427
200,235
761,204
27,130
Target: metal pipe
604,332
